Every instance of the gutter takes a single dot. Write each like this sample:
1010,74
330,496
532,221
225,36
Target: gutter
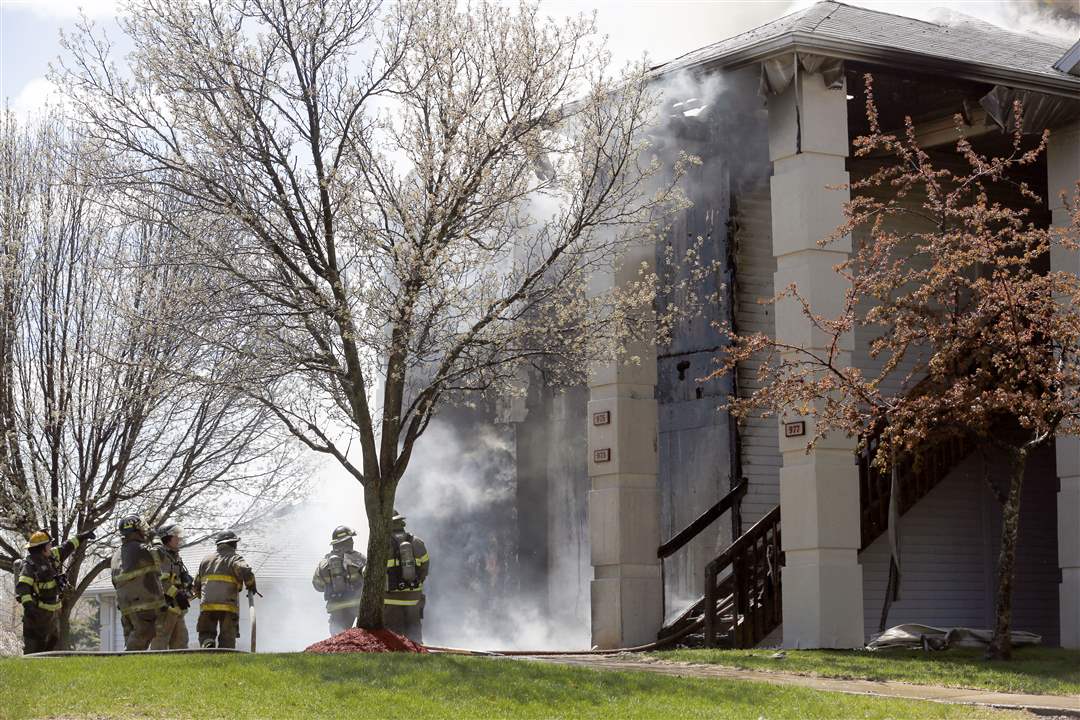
1061,85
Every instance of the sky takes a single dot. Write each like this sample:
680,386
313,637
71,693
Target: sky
29,29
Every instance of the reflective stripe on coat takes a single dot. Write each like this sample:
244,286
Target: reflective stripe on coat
220,578
397,592
172,568
136,577
40,576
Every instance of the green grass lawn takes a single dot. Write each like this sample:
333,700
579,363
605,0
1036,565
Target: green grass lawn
1052,671
405,686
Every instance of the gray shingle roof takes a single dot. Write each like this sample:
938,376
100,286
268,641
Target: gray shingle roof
963,41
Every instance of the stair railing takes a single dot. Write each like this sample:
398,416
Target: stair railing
731,501
755,559
918,476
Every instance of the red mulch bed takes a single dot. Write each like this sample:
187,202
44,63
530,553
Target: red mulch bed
357,640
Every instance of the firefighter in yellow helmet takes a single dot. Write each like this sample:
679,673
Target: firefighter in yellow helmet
136,576
39,588
171,632
340,578
218,583
406,570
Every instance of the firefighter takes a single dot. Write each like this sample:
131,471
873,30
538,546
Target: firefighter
136,576
40,587
171,632
340,578
403,606
218,583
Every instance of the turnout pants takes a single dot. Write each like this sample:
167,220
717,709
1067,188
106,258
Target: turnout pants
41,631
139,628
405,620
218,628
343,619
170,633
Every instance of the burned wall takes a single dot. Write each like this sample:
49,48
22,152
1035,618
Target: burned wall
552,484
720,119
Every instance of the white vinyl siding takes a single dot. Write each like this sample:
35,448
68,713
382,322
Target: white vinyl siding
949,547
950,539
759,440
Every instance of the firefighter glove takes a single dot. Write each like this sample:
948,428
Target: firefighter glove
183,601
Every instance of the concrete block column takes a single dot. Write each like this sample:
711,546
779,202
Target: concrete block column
624,501
819,492
1063,170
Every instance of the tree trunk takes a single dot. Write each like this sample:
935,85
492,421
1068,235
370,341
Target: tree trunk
1001,643
63,617
379,505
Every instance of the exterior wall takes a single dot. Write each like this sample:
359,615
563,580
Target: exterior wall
624,502
1063,171
819,489
568,568
531,489
112,634
949,545
759,443
695,449
949,540
1035,590
553,569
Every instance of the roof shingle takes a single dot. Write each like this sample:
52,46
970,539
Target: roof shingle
962,39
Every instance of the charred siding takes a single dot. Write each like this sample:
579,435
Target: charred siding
694,429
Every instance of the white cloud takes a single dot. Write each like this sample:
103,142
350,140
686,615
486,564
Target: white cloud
65,8
35,97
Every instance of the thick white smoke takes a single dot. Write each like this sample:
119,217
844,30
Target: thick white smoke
460,494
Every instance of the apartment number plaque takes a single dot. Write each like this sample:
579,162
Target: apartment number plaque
602,455
795,429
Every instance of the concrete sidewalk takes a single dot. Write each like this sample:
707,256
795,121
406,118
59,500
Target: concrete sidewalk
1054,705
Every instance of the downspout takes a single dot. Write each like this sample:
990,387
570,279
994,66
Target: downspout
798,109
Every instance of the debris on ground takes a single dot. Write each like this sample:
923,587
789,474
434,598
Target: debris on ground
358,640
924,637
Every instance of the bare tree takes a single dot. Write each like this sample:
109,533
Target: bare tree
404,205
101,410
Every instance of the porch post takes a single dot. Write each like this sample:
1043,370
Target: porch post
819,491
624,502
1063,170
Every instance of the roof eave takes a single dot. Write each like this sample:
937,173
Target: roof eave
862,52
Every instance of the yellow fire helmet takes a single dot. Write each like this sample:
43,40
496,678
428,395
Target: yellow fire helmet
39,538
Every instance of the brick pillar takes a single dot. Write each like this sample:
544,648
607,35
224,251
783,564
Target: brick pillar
1063,170
624,502
819,492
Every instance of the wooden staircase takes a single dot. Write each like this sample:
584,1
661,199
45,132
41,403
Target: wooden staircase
742,601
